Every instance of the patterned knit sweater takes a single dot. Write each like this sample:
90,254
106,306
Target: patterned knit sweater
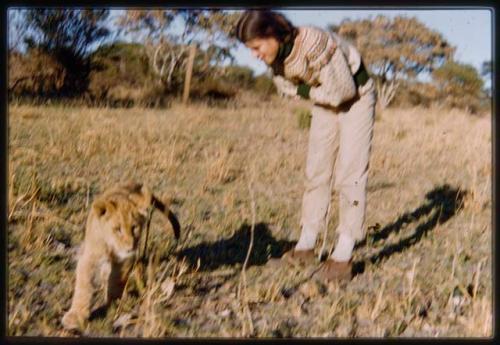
324,61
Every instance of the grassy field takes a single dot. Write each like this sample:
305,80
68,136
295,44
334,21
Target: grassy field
425,269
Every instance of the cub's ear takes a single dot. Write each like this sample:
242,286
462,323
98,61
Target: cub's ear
103,207
143,199
147,194
133,187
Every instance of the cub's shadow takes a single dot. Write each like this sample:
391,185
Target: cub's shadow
442,203
233,250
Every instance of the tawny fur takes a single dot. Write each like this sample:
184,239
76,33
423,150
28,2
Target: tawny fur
113,229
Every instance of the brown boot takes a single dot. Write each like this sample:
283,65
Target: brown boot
336,270
296,257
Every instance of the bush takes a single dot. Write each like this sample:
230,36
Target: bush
239,76
460,85
119,73
214,91
264,85
35,75
411,94
156,96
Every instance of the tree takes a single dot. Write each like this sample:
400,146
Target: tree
68,35
394,50
167,51
486,70
17,29
460,85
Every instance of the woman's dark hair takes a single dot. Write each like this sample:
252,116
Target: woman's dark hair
263,24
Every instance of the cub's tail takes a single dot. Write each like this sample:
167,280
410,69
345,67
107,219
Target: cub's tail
176,227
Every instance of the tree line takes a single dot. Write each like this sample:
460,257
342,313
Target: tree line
76,54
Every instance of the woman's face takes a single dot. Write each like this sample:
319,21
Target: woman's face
264,49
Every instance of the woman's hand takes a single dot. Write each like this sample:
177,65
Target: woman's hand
285,87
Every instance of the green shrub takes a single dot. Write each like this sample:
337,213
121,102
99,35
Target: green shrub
303,117
213,89
240,76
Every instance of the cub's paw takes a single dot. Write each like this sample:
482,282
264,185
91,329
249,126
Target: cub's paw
73,321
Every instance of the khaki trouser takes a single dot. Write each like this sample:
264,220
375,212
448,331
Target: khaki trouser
339,151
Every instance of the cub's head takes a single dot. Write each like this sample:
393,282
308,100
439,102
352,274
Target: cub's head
121,214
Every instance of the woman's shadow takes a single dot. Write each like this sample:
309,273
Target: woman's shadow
442,203
233,250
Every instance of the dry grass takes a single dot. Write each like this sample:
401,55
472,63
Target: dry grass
424,270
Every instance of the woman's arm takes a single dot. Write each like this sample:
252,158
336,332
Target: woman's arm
336,82
284,86
320,52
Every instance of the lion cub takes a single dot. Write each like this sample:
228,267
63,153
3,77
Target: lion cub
112,233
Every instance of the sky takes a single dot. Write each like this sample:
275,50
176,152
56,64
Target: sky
469,30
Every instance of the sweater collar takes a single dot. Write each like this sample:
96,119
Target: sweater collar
284,50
